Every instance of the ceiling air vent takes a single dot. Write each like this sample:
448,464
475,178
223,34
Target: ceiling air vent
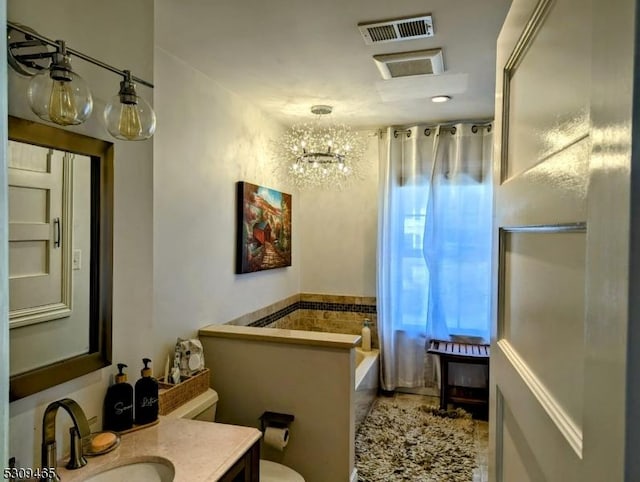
396,30
405,64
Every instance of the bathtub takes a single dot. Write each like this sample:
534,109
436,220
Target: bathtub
366,382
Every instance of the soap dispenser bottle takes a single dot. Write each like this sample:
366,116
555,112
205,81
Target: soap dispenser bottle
366,335
118,403
146,396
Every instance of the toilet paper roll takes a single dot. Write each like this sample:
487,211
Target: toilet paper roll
278,438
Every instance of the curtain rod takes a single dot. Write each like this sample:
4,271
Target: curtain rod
52,43
452,129
449,126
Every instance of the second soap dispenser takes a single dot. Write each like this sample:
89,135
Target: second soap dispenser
146,395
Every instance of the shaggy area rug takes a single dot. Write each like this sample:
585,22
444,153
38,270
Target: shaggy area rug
404,439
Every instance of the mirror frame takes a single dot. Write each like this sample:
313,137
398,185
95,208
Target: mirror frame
101,265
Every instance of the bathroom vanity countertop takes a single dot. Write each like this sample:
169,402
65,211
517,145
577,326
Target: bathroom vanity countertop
199,451
297,337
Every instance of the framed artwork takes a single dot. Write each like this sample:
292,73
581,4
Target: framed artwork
263,239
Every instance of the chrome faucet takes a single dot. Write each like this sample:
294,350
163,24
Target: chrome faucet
79,431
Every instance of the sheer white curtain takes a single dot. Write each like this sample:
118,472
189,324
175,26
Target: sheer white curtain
434,245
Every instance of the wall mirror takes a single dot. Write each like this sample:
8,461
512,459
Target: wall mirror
60,255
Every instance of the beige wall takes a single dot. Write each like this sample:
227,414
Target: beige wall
88,26
339,232
174,226
208,139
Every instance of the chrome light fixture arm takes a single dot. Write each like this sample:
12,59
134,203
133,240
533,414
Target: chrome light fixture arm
57,94
33,40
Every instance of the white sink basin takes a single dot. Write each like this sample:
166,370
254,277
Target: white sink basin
156,470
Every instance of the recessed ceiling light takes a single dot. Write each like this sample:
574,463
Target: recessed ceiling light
440,98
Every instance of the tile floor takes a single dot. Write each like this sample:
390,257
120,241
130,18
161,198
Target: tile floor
481,473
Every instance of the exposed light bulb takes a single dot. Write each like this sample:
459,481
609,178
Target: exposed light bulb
58,94
129,126
62,106
128,116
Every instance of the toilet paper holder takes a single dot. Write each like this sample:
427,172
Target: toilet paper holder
275,419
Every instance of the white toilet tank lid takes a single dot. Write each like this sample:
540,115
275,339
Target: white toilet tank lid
273,472
196,405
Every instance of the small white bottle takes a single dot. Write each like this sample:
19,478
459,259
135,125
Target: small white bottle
366,335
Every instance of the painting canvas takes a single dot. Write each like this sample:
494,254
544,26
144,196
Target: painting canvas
264,228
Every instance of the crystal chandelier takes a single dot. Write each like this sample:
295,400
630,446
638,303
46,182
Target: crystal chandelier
316,155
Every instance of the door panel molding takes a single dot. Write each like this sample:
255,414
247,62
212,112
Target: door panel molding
558,186
503,232
517,55
545,450
571,432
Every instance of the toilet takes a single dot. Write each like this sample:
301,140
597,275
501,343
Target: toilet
203,407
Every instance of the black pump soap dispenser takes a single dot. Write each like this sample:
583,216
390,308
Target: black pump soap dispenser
118,403
146,396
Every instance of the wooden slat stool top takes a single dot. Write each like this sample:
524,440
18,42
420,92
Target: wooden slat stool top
441,347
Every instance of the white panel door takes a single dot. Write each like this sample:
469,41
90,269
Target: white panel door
39,234
561,224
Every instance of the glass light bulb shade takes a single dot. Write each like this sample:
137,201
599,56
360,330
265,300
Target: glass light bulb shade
63,102
130,122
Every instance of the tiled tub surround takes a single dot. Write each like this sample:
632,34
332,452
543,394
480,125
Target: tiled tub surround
317,312
290,357
366,383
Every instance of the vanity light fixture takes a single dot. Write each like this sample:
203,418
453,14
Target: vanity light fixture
57,94
127,115
438,99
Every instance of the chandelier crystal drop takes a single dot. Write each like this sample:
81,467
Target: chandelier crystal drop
314,155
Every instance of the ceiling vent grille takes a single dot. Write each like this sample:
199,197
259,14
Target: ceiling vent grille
406,64
397,30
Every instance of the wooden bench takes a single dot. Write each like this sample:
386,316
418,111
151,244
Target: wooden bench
465,353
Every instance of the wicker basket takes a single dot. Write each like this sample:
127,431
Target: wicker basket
171,396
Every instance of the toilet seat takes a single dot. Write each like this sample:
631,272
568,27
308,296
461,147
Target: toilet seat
272,472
